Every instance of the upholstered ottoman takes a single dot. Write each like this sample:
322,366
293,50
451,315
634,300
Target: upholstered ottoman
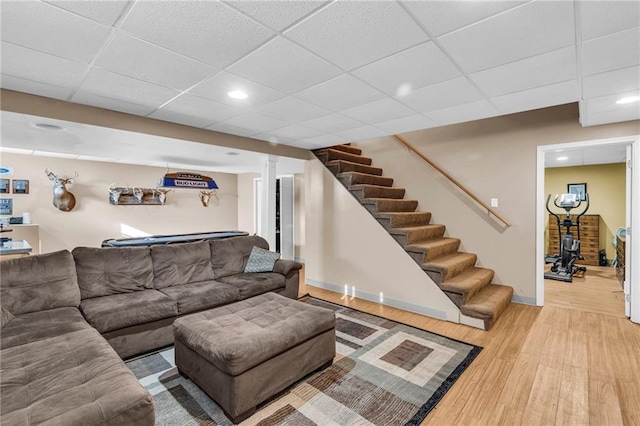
243,353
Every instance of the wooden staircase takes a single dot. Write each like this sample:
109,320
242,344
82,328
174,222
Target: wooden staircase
468,286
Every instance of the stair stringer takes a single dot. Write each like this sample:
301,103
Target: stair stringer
345,245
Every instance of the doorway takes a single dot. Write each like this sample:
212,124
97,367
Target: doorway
632,216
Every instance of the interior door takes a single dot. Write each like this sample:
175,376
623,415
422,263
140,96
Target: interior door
627,260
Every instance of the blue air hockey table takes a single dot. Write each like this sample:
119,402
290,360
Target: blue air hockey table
171,239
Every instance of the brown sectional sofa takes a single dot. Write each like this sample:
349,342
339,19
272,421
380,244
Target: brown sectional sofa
57,310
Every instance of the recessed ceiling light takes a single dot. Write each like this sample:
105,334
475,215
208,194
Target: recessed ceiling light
628,100
562,158
237,94
47,126
232,153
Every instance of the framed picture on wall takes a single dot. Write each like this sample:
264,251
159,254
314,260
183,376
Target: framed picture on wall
4,186
20,186
6,206
580,189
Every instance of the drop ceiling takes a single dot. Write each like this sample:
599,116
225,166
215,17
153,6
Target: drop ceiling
319,73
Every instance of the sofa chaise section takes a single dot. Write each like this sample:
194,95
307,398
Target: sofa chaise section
54,367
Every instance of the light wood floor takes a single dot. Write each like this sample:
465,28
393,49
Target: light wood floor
575,361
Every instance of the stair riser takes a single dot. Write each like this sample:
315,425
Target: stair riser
439,276
385,206
350,149
346,167
456,298
349,179
368,192
330,154
422,256
419,234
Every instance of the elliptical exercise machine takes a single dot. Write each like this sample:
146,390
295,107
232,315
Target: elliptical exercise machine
564,267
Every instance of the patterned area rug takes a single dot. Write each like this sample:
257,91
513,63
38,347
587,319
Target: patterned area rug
385,373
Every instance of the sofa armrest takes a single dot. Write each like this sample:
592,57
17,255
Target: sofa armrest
284,266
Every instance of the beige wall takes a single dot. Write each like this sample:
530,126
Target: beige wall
495,158
606,185
94,219
345,245
245,202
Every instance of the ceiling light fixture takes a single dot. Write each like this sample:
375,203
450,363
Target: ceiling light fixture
46,126
232,153
562,158
237,94
628,100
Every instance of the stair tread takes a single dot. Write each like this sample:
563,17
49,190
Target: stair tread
488,302
375,200
375,171
407,229
365,178
370,185
390,214
450,259
468,280
347,156
347,148
427,244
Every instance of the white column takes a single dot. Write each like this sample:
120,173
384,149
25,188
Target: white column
268,201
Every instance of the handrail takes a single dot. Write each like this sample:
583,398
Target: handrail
452,180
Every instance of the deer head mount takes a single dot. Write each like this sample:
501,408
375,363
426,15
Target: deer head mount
62,199
205,196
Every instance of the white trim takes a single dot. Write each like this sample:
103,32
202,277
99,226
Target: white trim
634,266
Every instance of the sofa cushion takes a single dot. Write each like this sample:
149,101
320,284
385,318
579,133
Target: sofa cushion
75,378
112,270
177,264
42,325
117,311
229,255
203,295
6,317
253,284
261,260
37,283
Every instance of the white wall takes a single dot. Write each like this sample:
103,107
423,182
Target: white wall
94,219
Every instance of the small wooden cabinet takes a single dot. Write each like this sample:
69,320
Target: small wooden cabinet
589,238
620,253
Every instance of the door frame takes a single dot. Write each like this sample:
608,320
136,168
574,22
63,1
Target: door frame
633,247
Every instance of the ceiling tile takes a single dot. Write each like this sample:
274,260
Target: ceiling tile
599,18
412,69
332,123
541,97
461,113
406,124
41,67
284,66
547,68
46,28
440,17
258,123
382,110
324,141
618,81
115,86
605,154
231,130
295,131
27,86
611,52
271,138
208,31
353,33
135,58
442,95
218,87
361,133
340,93
608,102
276,14
207,110
292,109
104,12
85,98
519,33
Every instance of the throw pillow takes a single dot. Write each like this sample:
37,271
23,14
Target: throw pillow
261,260
6,316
